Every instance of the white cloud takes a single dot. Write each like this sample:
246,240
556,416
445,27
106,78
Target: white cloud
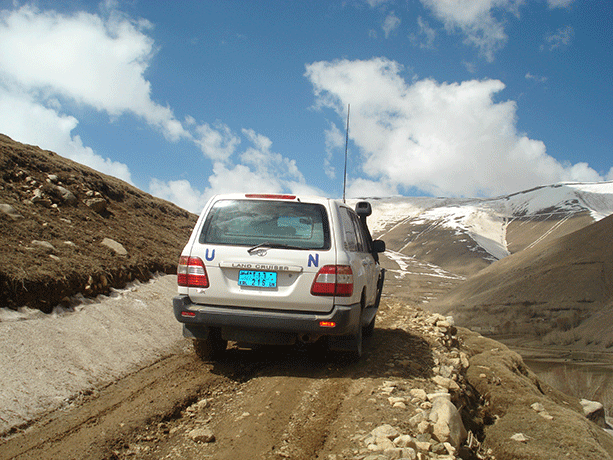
535,78
561,38
476,21
442,138
335,141
376,3
95,61
259,170
217,144
48,59
390,24
559,3
181,193
50,130
364,188
425,36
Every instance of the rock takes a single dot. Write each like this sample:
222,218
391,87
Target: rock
432,396
385,431
450,449
68,197
447,423
424,427
96,204
45,245
594,411
519,437
418,393
204,435
445,382
9,211
38,198
408,453
114,246
538,407
404,440
423,445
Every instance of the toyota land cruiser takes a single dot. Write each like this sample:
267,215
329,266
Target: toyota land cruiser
276,269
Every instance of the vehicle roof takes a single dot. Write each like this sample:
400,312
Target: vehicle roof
290,197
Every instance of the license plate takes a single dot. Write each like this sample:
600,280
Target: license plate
257,279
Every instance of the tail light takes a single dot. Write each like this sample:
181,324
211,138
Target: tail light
336,280
191,272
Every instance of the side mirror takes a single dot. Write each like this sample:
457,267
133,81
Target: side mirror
378,246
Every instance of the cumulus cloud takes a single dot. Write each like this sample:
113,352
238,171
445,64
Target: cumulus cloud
217,143
48,59
91,60
376,3
259,169
441,138
47,128
475,19
51,63
536,78
335,141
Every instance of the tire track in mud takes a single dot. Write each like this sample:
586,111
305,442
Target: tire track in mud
91,425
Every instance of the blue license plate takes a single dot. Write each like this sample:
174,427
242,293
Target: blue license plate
254,278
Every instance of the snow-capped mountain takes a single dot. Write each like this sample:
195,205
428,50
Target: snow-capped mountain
488,228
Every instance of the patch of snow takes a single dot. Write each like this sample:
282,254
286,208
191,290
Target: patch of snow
409,265
48,359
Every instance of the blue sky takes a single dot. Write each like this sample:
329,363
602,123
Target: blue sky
187,99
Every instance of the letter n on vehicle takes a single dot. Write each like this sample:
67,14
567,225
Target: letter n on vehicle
313,260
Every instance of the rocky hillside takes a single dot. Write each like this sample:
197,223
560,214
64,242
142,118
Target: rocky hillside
67,229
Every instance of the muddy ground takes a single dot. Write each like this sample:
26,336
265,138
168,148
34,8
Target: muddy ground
267,403
299,403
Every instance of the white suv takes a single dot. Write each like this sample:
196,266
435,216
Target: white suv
276,269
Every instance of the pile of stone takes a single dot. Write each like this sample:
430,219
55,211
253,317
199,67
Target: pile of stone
52,193
436,427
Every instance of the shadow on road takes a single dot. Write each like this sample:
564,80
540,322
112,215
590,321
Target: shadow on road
388,353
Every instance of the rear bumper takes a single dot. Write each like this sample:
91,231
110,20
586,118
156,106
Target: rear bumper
249,324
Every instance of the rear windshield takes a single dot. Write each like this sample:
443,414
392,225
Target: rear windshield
252,222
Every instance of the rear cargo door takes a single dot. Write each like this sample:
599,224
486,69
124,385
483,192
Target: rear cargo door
263,254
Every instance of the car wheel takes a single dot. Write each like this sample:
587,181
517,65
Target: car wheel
211,348
356,352
369,329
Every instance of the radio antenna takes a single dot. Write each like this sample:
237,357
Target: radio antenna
346,144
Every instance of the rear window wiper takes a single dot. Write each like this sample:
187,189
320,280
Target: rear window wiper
269,245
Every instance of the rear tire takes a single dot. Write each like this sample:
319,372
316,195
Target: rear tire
370,328
356,353
211,348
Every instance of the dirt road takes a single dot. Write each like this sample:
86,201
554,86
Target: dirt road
297,403
268,403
